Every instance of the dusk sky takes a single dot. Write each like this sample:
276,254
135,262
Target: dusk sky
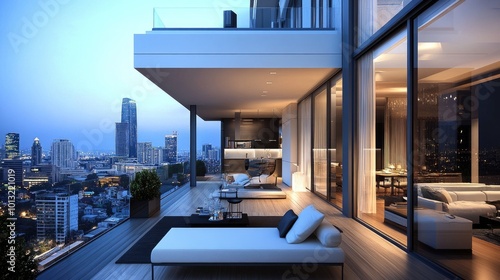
67,64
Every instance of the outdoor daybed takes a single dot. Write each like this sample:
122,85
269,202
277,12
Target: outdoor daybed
248,187
308,240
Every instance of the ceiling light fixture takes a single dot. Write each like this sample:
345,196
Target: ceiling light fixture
269,83
273,73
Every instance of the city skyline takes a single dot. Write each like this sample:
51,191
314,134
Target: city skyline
67,65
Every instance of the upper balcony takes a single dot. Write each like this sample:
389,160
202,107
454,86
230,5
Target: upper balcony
256,63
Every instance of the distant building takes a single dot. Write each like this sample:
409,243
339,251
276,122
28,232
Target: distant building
57,216
157,154
11,145
214,154
129,115
63,153
145,153
205,151
16,165
38,174
2,152
122,139
170,152
36,152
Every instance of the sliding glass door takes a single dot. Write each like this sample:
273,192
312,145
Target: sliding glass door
320,147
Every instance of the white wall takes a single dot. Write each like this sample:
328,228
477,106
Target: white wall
289,142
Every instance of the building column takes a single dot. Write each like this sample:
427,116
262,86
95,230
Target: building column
348,109
192,145
289,147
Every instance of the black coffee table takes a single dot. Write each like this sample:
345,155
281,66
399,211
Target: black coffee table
203,220
489,222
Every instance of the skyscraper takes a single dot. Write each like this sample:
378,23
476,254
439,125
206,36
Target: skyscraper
122,140
11,145
129,115
63,153
36,152
57,216
170,152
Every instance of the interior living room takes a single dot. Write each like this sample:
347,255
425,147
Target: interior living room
379,113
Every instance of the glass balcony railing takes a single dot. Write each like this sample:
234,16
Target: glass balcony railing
248,17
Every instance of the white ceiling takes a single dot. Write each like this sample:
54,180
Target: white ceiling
220,93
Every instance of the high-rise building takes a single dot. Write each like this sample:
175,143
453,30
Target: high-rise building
11,145
57,216
63,153
122,139
2,152
36,152
129,115
145,153
170,152
157,155
205,151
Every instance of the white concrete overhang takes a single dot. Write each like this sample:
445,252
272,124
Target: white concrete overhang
224,71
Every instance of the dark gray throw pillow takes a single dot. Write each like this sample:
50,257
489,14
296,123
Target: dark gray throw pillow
287,222
433,194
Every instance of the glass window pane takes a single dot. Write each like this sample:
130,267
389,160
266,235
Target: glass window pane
380,176
320,145
456,125
373,14
336,142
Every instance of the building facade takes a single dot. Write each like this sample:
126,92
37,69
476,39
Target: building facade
390,95
57,216
122,139
145,152
12,145
63,154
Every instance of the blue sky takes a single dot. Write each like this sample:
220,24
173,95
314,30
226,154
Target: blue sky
67,64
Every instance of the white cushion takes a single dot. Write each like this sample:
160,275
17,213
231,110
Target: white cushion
492,195
328,235
241,178
471,196
446,196
309,219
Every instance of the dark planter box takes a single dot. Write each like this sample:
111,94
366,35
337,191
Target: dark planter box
144,209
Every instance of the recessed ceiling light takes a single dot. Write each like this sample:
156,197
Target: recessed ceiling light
273,73
269,83
264,91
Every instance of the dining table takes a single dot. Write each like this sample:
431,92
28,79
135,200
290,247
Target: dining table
393,175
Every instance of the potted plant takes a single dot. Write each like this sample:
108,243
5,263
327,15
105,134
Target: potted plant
145,191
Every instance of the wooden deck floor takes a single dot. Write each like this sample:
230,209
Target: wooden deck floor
368,256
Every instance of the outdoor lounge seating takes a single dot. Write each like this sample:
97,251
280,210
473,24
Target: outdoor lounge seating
309,239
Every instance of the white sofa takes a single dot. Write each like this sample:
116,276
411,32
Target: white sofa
468,200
